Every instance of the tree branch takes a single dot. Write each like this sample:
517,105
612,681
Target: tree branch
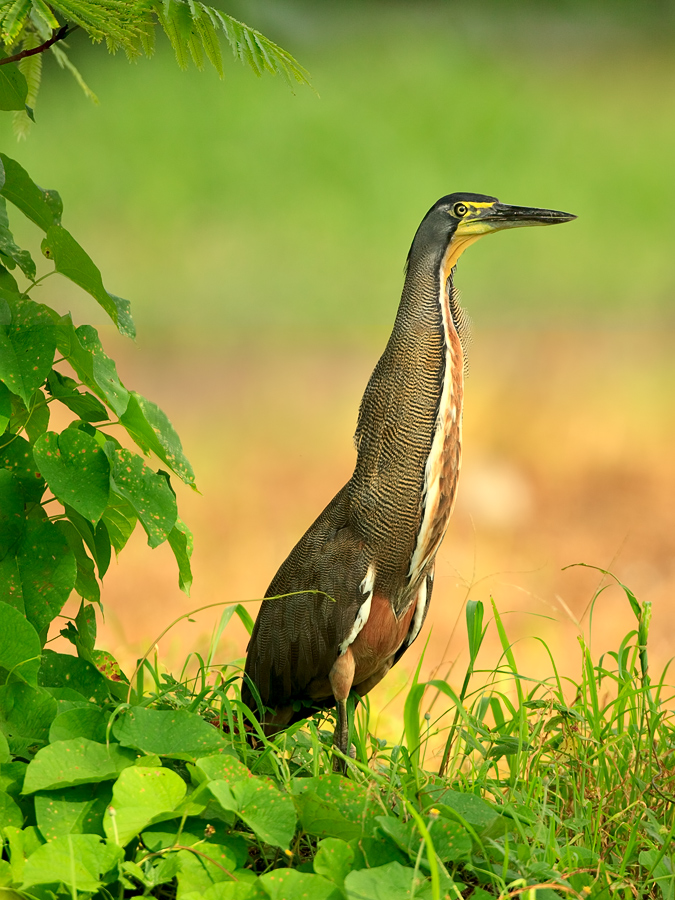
58,35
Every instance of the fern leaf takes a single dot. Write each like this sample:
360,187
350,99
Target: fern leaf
120,22
261,53
14,20
176,21
206,28
43,13
196,50
31,68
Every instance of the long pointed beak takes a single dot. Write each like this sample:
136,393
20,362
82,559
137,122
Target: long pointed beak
501,215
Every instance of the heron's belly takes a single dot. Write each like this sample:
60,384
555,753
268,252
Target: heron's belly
371,654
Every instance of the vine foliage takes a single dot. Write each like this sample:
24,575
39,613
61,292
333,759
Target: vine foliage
69,499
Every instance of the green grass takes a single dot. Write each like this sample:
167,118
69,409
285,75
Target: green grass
508,786
552,788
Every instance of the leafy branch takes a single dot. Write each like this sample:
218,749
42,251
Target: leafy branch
58,35
28,28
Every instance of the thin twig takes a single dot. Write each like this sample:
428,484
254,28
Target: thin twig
57,35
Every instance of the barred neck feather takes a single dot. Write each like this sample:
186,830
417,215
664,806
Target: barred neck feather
461,320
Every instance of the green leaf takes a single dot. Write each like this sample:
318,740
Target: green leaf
152,430
10,814
371,852
119,520
451,841
22,843
48,571
10,584
390,882
5,406
77,860
86,584
289,884
332,806
231,890
86,629
334,859
97,539
76,469
198,873
180,541
193,832
8,281
150,496
14,20
8,248
76,810
267,812
72,261
17,457
43,207
479,814
255,50
661,871
84,405
177,733
5,755
140,795
25,716
82,722
77,761
222,767
63,670
13,87
37,421
27,345
19,645
11,512
82,348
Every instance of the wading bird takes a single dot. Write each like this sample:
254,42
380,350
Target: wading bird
358,583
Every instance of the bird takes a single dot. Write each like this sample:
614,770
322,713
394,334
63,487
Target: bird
353,594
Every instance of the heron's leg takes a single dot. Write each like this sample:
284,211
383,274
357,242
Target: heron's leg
341,678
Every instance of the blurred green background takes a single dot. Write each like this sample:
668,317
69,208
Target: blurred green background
261,235
224,209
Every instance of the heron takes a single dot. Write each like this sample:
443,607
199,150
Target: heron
353,594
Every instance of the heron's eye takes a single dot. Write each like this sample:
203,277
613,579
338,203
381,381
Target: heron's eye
460,210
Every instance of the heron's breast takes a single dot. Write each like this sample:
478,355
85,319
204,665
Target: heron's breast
443,463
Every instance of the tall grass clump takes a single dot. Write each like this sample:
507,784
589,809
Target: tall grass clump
503,786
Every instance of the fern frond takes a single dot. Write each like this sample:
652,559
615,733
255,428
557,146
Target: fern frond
176,21
192,28
13,21
122,23
257,51
31,68
206,24
43,14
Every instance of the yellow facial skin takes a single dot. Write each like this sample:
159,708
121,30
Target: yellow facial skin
474,222
479,218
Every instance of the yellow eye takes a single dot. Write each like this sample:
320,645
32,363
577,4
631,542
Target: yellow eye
460,210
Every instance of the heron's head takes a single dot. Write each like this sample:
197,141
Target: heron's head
457,220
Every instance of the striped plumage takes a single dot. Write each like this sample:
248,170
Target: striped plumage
369,556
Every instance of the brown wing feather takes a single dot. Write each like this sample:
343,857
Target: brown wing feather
296,638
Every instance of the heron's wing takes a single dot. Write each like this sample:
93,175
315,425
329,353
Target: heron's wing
310,608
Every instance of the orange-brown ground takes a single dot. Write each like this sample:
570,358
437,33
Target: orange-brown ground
568,458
